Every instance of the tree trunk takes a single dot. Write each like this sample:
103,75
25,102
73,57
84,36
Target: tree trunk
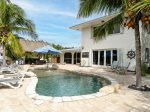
138,53
4,57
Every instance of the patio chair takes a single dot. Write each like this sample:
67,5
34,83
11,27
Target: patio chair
114,65
123,69
13,82
132,67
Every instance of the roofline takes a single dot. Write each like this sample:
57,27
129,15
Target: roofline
72,49
90,21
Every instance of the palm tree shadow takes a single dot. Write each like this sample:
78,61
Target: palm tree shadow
144,88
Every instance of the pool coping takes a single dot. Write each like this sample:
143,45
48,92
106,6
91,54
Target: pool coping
40,99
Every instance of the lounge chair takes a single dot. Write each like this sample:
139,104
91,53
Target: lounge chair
13,81
12,69
8,70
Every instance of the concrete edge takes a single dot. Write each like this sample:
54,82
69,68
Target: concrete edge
39,99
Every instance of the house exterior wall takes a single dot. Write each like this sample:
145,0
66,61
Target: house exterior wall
123,42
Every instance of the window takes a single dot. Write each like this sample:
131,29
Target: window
101,57
68,58
95,31
114,53
148,29
95,57
116,30
77,57
146,54
108,58
85,54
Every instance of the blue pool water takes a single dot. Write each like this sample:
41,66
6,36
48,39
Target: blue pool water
62,83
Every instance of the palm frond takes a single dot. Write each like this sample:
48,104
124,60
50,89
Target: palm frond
24,27
103,30
89,7
140,6
25,31
14,48
13,17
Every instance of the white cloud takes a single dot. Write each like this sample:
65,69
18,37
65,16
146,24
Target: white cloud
58,26
40,8
43,33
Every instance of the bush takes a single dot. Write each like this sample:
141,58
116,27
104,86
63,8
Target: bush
145,70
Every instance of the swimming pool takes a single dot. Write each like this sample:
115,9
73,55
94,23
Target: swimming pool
63,83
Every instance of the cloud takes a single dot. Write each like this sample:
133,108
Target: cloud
43,33
35,8
58,26
53,19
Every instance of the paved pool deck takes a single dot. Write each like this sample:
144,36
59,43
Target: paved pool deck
126,100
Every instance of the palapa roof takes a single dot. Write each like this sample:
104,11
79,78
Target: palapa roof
30,45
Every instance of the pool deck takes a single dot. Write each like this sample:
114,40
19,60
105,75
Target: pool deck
126,100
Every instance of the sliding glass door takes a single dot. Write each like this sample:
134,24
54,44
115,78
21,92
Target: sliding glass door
104,57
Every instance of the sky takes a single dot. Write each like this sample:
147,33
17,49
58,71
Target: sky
53,19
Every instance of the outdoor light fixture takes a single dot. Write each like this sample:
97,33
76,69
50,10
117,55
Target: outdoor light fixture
82,47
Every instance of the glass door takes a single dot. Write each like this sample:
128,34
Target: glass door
101,60
114,55
108,57
95,57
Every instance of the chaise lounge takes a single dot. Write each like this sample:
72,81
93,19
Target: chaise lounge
13,82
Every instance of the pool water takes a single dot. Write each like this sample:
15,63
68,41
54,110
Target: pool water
60,83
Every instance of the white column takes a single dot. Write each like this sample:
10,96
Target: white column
72,57
111,56
90,58
62,58
104,57
98,57
80,56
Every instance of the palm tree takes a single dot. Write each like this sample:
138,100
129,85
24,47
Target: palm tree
127,12
14,50
13,20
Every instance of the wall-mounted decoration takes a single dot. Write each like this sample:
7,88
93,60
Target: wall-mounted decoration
131,54
85,54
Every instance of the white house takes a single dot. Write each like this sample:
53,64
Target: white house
114,47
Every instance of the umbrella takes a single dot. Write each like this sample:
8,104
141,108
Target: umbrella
47,50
